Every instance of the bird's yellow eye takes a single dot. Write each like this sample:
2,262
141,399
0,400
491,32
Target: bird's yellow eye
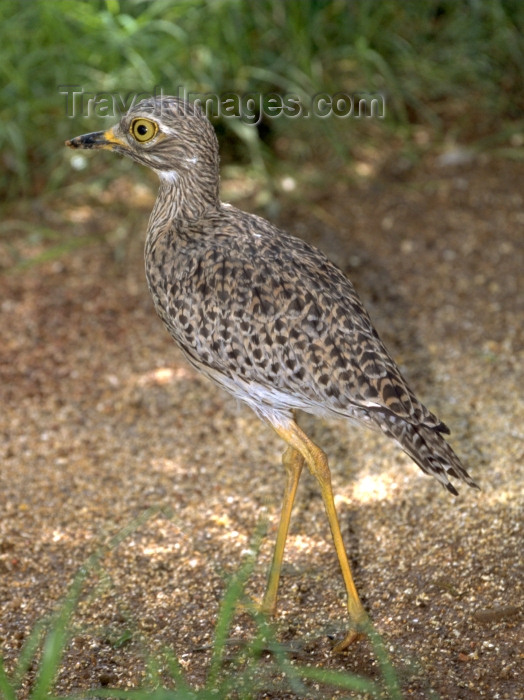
143,130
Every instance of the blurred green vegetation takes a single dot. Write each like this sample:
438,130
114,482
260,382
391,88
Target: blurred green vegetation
452,65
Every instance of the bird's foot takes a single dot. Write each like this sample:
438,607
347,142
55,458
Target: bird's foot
268,605
269,611
352,636
255,606
358,625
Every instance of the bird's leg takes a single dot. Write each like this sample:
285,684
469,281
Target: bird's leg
293,463
317,463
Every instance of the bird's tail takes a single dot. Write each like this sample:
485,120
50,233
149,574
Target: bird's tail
426,446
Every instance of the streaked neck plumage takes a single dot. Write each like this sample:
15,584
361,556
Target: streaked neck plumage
184,196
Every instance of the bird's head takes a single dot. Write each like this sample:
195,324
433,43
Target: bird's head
167,134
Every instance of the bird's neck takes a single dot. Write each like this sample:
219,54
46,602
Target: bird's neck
182,199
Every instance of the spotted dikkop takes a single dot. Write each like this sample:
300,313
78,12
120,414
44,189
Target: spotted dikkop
267,317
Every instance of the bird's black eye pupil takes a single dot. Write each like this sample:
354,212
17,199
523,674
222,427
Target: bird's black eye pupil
142,129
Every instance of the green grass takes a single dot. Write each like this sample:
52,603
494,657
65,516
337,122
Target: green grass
242,670
454,65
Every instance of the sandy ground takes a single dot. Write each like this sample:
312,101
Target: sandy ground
102,419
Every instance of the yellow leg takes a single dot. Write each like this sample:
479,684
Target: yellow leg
293,463
317,463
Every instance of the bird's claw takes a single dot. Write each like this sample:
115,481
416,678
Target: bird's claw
352,636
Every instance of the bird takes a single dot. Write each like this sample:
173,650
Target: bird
268,317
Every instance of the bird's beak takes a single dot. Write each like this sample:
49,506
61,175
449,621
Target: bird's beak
97,139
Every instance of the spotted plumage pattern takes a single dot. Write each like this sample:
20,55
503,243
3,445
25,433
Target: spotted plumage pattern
277,324
260,312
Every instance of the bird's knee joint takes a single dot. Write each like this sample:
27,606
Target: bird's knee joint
318,466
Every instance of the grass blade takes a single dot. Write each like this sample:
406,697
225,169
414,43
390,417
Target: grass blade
390,680
233,595
6,688
340,679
